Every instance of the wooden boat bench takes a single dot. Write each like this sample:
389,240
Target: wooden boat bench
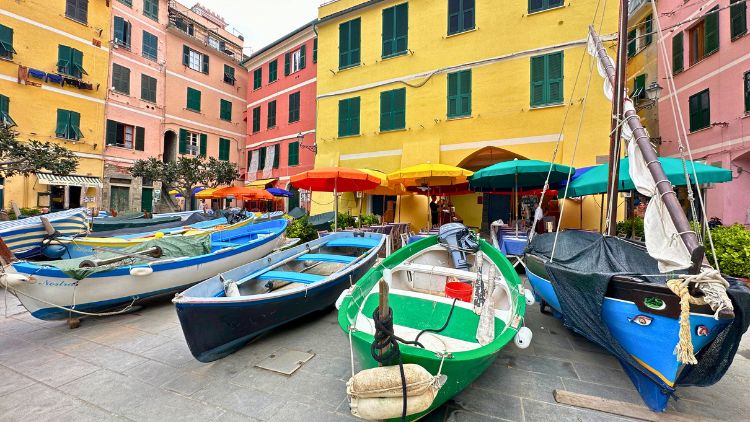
354,242
224,245
341,259
293,277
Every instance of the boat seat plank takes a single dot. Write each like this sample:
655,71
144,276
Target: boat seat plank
303,278
343,259
431,341
354,242
222,245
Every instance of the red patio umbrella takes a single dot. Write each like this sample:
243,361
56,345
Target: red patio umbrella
335,179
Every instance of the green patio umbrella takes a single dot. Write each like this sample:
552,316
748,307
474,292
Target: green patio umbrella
518,173
594,181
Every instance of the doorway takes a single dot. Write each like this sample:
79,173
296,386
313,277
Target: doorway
170,147
496,207
294,199
57,198
119,198
147,199
74,196
378,203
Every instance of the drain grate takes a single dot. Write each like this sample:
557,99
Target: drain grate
285,361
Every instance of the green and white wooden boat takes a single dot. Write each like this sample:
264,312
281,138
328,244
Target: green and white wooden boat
417,275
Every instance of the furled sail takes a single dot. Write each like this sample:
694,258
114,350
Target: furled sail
662,239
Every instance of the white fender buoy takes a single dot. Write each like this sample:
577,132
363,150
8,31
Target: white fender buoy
523,338
13,280
231,289
530,299
387,275
141,271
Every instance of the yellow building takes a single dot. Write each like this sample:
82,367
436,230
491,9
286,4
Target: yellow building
643,65
459,82
53,78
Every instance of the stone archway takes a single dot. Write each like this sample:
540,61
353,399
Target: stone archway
170,147
487,156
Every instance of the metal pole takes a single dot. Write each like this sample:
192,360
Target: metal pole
335,206
615,126
663,185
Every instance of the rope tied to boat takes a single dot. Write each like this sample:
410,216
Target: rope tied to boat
714,288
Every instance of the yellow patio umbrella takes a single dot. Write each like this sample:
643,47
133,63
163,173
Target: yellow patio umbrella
205,193
429,175
385,188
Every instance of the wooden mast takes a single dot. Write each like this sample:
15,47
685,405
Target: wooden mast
617,114
663,186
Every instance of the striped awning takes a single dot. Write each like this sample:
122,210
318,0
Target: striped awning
72,180
260,183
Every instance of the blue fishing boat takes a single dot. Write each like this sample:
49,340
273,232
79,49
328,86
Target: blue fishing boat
225,312
119,279
24,237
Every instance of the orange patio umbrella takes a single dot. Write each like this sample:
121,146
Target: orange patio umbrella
335,179
241,192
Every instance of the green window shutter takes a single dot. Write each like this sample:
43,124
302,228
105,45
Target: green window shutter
287,64
150,45
537,80
121,78
315,50
261,159
63,122
225,110
229,74
395,30
349,43
204,63
747,92
140,138
632,43
386,110
678,59
74,131
76,58
257,78
459,94
203,144
63,59
276,154
256,119
119,30
349,116
185,55
294,105
539,5
712,31
271,114
151,9
649,28
639,86
460,16
302,56
272,71
700,110
111,137
6,42
554,78
148,88
705,108
224,149
128,3
393,109
452,94
354,116
738,18
193,99
183,141
293,156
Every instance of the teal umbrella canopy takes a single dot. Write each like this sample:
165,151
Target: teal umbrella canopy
594,181
520,173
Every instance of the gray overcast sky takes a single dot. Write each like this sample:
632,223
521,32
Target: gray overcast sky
262,22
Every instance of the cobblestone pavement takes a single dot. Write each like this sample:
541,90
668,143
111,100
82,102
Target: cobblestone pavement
137,367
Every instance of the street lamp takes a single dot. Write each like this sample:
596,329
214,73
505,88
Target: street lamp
313,147
652,96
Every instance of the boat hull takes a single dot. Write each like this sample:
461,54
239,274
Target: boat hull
214,330
651,342
24,237
111,289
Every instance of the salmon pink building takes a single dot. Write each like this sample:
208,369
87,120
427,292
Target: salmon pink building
708,50
176,88
281,108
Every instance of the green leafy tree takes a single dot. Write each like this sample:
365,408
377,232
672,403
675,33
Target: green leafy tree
24,158
187,173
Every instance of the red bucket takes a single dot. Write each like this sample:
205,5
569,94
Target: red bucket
459,290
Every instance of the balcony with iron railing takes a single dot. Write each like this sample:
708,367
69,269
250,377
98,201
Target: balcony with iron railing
182,24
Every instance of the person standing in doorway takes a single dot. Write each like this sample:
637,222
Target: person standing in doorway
434,211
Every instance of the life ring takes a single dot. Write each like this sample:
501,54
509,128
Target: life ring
141,271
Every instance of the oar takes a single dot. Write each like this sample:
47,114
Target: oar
150,254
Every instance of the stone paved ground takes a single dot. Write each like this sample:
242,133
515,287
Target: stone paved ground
137,367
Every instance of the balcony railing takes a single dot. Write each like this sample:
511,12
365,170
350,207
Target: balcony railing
181,22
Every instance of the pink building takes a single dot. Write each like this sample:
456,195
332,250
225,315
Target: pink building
281,110
135,100
709,52
176,87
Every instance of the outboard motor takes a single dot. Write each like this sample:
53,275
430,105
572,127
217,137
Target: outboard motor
459,240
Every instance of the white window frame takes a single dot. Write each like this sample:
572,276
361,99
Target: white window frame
127,136
192,143
214,42
296,60
195,60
